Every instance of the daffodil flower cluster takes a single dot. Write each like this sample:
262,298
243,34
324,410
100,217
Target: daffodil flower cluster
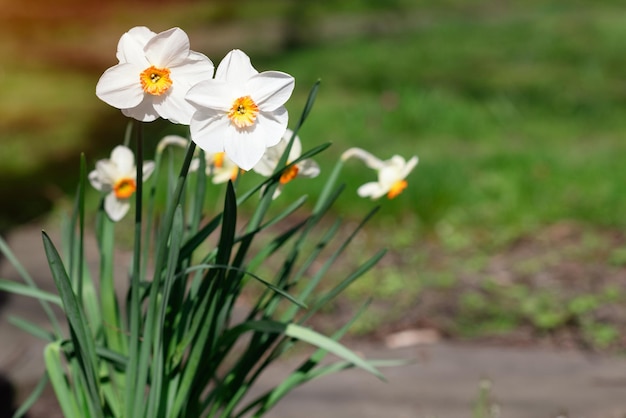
238,111
236,115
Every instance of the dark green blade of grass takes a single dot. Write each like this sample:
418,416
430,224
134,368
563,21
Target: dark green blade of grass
19,268
156,398
33,292
313,283
32,328
81,335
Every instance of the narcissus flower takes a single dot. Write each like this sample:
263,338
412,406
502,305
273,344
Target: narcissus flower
154,73
391,173
271,158
218,166
240,111
117,177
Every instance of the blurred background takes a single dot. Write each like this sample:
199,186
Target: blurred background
512,225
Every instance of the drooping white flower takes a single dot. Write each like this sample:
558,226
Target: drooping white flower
117,176
154,73
240,111
391,173
218,166
268,164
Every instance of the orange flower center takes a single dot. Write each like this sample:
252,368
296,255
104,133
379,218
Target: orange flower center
218,159
397,188
155,81
289,174
124,188
243,112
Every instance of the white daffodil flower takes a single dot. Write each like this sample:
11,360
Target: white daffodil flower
218,166
268,164
153,75
391,173
240,111
117,177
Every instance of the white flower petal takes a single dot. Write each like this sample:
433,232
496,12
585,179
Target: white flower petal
244,147
296,147
212,94
193,69
115,208
147,169
271,89
308,168
94,179
410,165
222,176
371,189
266,165
131,44
107,174
194,165
277,191
124,159
388,176
271,126
143,112
168,48
235,67
207,130
174,107
120,87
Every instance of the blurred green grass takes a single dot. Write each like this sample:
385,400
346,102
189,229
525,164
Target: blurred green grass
515,109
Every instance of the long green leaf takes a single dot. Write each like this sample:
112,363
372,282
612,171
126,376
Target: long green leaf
310,101
265,283
229,224
11,258
33,292
32,329
112,324
81,335
303,334
332,346
298,376
156,386
54,368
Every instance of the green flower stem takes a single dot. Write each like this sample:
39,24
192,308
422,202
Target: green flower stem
161,259
112,325
134,390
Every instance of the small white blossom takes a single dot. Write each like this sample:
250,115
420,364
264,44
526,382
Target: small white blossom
117,176
268,164
218,166
391,173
